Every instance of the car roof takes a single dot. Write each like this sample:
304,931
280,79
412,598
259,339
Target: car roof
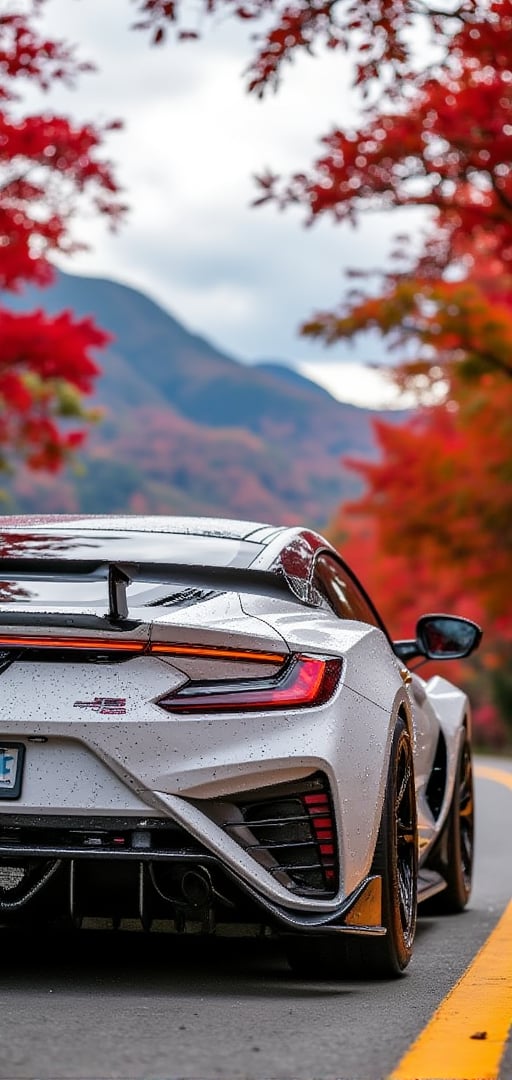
163,523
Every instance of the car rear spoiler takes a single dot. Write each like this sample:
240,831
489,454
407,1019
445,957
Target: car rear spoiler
118,575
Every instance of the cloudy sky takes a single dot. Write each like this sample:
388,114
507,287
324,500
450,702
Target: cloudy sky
192,141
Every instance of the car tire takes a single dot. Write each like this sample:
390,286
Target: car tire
396,861
458,868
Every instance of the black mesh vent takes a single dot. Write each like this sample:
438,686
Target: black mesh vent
292,834
10,878
184,596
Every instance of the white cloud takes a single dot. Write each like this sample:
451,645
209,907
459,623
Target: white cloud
358,384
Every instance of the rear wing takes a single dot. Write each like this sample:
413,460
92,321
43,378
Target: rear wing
119,575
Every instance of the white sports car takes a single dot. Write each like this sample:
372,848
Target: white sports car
206,721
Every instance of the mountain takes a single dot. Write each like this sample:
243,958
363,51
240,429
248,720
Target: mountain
187,428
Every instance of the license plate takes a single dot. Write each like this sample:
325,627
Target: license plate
11,769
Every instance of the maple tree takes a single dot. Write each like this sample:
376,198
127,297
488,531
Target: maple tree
48,166
377,34
436,134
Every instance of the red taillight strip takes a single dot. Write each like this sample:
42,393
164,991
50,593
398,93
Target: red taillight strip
305,681
158,648
45,642
319,810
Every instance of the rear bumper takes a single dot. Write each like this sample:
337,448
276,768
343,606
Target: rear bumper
93,880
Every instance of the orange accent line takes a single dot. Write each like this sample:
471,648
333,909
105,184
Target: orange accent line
230,654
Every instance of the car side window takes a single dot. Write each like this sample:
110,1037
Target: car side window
336,585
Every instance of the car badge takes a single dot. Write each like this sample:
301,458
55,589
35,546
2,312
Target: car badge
106,706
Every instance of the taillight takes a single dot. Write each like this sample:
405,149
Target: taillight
304,681
105,645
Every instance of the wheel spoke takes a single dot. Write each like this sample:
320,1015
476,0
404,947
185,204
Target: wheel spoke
466,812
467,847
403,785
406,896
406,840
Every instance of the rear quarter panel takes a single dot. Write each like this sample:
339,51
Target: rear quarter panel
362,718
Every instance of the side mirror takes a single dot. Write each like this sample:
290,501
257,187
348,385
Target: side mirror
447,637
441,637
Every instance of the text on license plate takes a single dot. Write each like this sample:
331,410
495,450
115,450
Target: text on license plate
11,768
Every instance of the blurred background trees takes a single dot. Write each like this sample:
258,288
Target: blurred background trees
48,166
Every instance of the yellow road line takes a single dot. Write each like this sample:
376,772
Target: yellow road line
466,1036
489,772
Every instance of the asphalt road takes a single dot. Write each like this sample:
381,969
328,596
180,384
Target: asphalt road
104,1005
